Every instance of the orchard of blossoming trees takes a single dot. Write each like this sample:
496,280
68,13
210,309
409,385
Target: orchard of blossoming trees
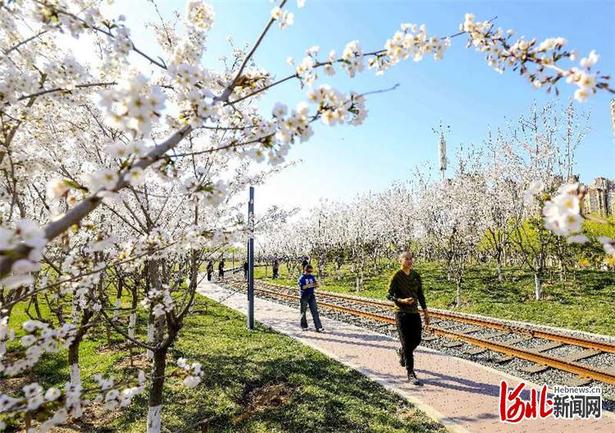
490,208
113,160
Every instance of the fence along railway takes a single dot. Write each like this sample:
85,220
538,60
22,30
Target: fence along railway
481,333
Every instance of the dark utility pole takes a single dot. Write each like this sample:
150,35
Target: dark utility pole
251,260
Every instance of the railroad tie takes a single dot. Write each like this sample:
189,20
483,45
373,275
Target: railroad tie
499,334
470,331
446,326
501,359
475,351
454,343
536,368
548,346
577,381
587,353
518,340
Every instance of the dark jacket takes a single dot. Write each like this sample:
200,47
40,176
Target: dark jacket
407,286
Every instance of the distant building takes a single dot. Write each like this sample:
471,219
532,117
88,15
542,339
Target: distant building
600,197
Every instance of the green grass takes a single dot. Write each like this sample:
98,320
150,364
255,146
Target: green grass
264,382
586,301
257,381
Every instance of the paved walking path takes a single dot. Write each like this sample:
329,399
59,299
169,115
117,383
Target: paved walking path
462,395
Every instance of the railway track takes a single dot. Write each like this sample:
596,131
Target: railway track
545,349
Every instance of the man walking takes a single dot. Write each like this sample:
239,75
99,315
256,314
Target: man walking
406,291
307,284
221,270
210,270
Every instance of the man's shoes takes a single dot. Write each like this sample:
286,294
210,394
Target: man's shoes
320,330
413,379
304,329
402,359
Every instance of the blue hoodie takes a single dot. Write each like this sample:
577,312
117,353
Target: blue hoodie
306,283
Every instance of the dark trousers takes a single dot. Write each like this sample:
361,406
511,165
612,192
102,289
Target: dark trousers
209,276
409,327
310,301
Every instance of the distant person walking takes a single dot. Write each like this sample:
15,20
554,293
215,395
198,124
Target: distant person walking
276,269
406,291
221,270
245,270
210,270
307,284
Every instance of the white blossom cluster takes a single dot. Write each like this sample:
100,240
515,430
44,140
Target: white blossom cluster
284,18
412,41
15,83
563,213
502,53
160,301
57,410
66,74
114,398
213,193
121,43
336,108
133,105
40,339
199,14
25,233
307,70
35,400
291,125
585,80
122,151
190,48
89,16
352,58
197,102
188,76
194,373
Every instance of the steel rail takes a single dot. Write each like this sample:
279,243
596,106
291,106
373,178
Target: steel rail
527,354
602,346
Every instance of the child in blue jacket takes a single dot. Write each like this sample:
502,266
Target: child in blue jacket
307,283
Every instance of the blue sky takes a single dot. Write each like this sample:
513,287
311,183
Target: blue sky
460,90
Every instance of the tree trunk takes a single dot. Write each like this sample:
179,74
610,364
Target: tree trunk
353,268
73,360
155,394
4,332
118,298
458,292
151,327
132,324
75,375
498,260
154,324
132,320
537,286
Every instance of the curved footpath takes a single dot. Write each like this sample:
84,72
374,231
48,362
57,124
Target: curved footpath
462,395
